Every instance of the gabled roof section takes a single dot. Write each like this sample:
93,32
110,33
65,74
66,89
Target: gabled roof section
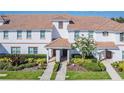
61,18
104,45
44,21
59,43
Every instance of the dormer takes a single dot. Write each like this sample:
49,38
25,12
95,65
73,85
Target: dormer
60,22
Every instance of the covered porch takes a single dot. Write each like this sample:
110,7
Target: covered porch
105,50
58,49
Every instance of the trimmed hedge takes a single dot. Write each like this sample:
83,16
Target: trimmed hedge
35,56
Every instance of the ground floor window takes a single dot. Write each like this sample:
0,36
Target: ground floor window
32,50
122,54
15,50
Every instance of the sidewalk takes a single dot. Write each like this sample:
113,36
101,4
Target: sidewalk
62,72
111,71
48,72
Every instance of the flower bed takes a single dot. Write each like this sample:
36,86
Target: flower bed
19,62
86,65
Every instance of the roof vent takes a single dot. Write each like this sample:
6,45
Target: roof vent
5,19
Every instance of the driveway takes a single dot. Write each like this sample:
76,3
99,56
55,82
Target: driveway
111,71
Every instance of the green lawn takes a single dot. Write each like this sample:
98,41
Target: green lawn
121,74
53,76
79,75
22,75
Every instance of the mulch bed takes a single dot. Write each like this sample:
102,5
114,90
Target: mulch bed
75,67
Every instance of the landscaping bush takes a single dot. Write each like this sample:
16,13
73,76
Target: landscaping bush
4,63
89,64
41,62
78,61
29,60
121,66
6,60
35,56
12,62
115,64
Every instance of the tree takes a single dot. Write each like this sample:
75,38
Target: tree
118,19
85,45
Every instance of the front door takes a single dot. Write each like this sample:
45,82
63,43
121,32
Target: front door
64,52
54,52
108,54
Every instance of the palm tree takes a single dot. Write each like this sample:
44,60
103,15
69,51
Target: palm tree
85,45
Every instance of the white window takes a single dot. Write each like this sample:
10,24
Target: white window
19,34
121,36
105,33
90,34
28,34
60,24
76,34
5,35
15,50
42,34
32,50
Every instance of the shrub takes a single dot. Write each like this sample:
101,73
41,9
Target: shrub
10,68
78,61
24,55
3,65
28,65
121,66
41,61
29,60
6,60
115,64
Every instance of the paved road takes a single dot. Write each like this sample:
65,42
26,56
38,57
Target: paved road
62,72
111,71
48,72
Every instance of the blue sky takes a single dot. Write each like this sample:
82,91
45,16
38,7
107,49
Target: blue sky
80,13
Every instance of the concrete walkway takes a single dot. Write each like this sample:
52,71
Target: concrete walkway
111,71
62,72
48,72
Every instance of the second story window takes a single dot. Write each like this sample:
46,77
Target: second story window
121,36
105,33
76,34
19,34
90,34
60,25
28,34
42,34
5,36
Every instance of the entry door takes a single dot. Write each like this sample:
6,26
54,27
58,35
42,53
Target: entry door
108,54
65,52
54,52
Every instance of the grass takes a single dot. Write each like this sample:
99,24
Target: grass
121,74
80,75
53,76
22,75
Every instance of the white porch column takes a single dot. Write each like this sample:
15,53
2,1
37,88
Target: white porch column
50,53
68,55
47,55
57,55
